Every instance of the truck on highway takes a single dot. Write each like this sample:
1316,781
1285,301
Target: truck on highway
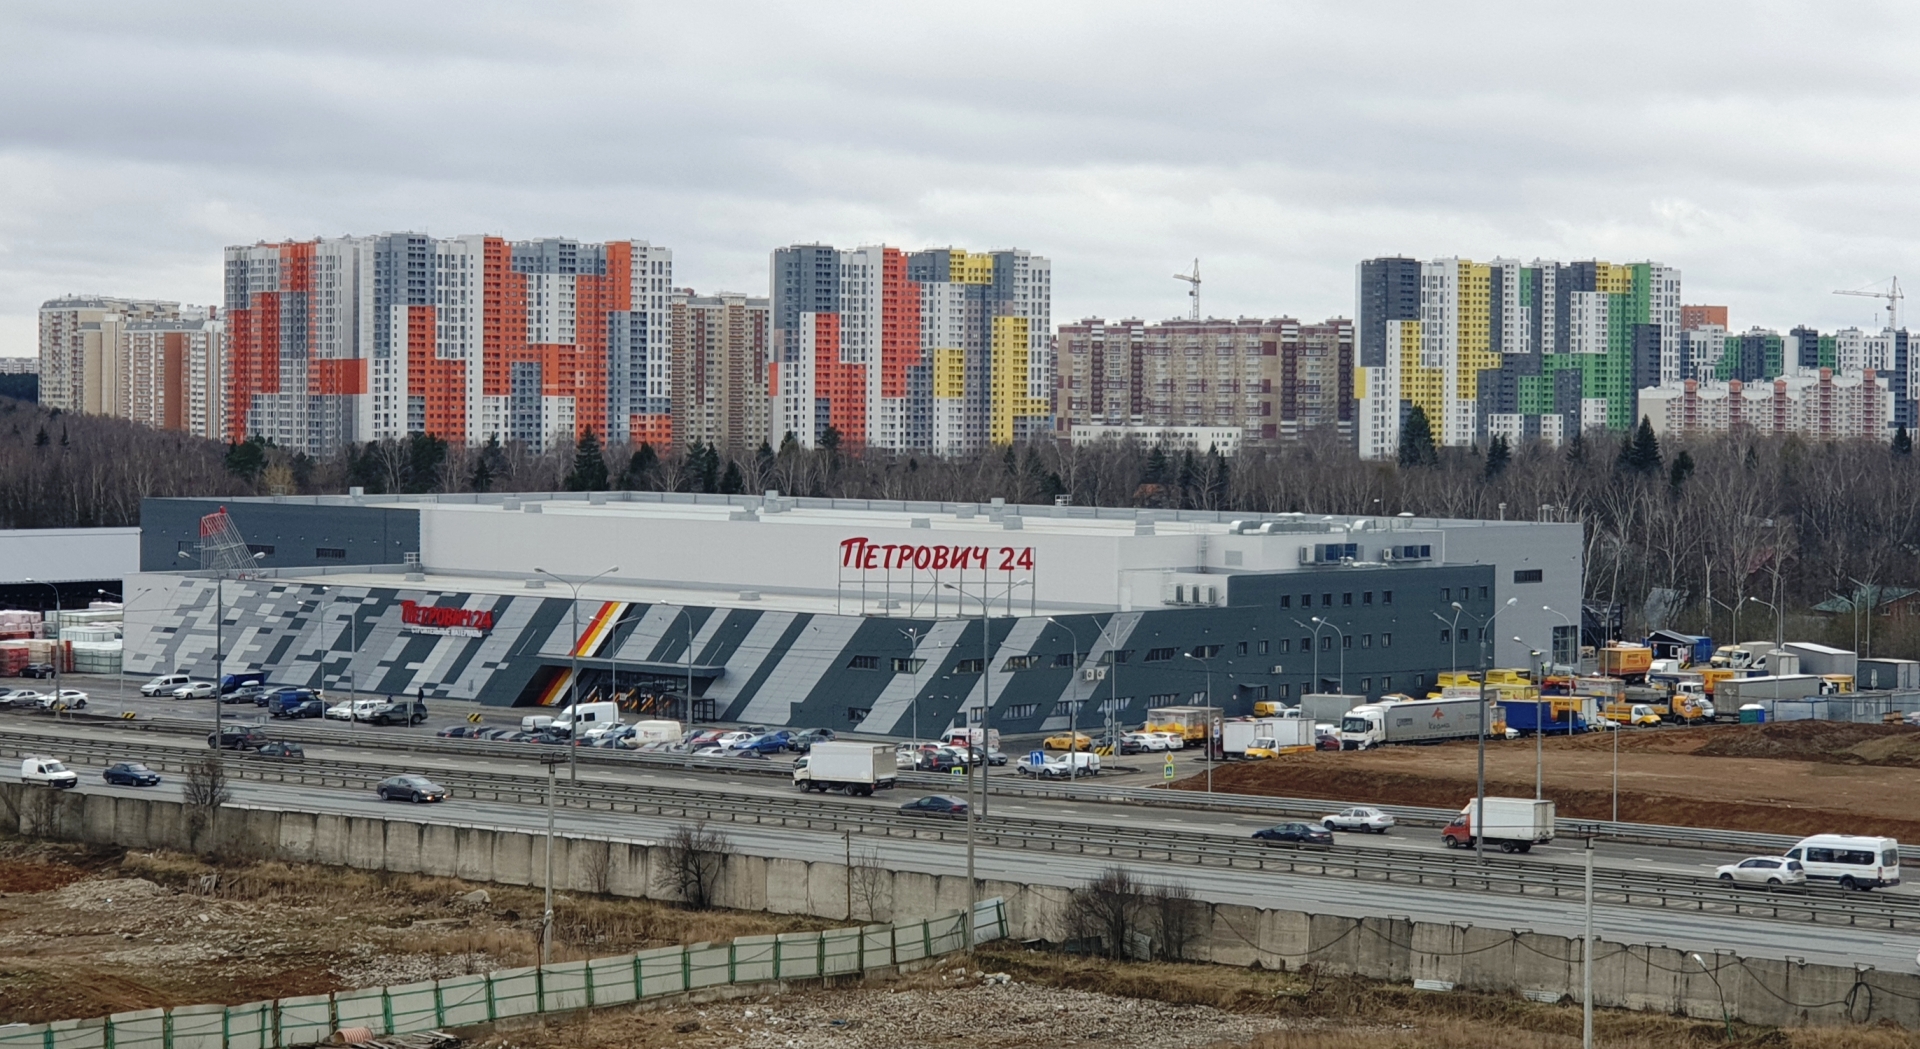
1514,824
1265,737
857,768
1416,721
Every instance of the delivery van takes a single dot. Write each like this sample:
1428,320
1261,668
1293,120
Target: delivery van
1854,861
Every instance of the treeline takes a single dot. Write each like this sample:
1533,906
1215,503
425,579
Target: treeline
1677,534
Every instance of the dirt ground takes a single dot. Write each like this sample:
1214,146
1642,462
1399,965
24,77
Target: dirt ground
1794,777
84,933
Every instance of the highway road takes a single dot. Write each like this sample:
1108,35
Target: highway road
1752,936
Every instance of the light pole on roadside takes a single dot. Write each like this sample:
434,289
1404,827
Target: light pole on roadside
1207,661
1725,1016
1453,635
1480,789
1575,661
1315,643
58,614
219,654
1539,727
912,635
1073,708
126,605
1586,958
573,682
1343,650
552,762
1779,627
353,649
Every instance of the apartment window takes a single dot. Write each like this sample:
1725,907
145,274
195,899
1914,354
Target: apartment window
1263,647
1020,663
1366,640
1306,644
1483,593
1446,593
1346,599
1286,645
1206,651
1366,686
856,715
1386,597
1159,655
1326,642
1528,575
1020,710
1256,692
1366,598
903,665
1240,649
1346,640
969,666
1286,600
864,663
329,553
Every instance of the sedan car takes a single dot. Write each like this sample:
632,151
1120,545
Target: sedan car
1299,833
66,699
804,739
281,750
41,670
194,690
130,774
1764,870
459,732
20,697
1069,741
410,788
1373,821
1173,740
770,743
1141,743
936,805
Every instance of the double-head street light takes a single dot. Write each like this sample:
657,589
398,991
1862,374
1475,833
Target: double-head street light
1568,623
1779,627
1315,645
1453,635
913,659
1539,726
1207,661
1343,648
1486,667
219,646
573,683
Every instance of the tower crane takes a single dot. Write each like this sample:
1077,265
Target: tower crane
1893,295
1193,292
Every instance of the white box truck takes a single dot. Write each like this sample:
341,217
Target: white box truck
1420,721
857,768
1264,737
1514,824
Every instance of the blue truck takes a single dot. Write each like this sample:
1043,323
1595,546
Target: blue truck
1527,717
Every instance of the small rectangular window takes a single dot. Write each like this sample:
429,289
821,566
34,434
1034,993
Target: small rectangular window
1206,651
1286,600
1284,691
1528,575
968,666
1366,686
1346,640
1306,600
1326,600
1483,593
856,715
1446,593
1240,649
1326,642
1366,598
903,665
1346,598
1386,684
1446,637
260,548
329,553
1366,640
1386,640
1386,597
1286,645
864,663
1306,644
1263,648
1018,711
1159,655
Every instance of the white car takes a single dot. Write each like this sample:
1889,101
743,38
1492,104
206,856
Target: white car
1146,740
164,684
356,709
1373,821
1174,740
1764,870
68,698
195,690
729,740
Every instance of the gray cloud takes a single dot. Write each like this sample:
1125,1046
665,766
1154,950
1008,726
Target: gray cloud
1762,148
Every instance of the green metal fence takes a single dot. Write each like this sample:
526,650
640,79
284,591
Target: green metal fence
461,1000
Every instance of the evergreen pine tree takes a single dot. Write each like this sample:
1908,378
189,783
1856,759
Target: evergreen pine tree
731,483
1682,469
1577,448
1498,455
1902,441
589,473
639,474
1640,451
1189,471
488,465
41,440
1416,439
1155,471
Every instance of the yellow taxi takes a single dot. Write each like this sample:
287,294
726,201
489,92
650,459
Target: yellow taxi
1069,741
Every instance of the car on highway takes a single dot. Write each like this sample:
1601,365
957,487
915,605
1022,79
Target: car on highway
49,771
1068,766
1763,870
197,690
1297,833
945,805
1068,741
939,759
164,684
1361,817
20,697
41,670
281,750
130,774
237,737
410,788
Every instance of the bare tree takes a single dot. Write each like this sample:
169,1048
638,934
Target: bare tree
1110,911
204,792
692,862
597,865
871,886
1178,918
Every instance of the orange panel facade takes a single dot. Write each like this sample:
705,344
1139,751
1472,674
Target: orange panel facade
656,430
899,324
843,385
441,383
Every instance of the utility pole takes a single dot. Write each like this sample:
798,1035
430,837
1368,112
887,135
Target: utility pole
1586,959
573,683
1073,708
546,916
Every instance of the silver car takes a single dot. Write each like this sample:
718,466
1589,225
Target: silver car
1764,870
1371,820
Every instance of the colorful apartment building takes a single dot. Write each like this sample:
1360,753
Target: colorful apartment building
467,338
1271,379
83,365
942,350
1540,350
720,366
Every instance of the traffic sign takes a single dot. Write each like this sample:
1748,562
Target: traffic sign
1167,771
959,770
1037,758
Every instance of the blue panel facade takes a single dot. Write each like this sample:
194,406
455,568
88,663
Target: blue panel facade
291,535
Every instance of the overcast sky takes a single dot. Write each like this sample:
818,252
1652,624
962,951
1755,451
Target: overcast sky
1765,149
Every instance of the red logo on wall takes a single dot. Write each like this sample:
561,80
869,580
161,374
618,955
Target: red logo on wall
866,555
447,620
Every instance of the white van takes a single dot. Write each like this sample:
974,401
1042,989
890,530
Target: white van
165,684
48,771
1855,861
583,717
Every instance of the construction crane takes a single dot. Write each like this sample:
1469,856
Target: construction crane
1893,295
1193,292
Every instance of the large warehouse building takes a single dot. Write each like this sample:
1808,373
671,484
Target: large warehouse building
836,613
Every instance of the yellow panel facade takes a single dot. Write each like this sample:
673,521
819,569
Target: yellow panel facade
1609,279
950,372
1475,338
971,267
1007,383
1419,384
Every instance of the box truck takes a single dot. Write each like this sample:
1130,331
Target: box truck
1514,824
1553,715
1264,736
1189,723
1418,721
857,768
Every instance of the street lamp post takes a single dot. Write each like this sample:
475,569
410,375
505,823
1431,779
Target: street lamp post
573,683
913,654
1586,958
1073,708
1539,727
1480,795
1779,627
1316,647
550,760
1568,623
1343,650
1207,661
1453,635
219,653
58,614
1725,1016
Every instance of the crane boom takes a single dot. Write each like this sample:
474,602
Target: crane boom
1193,291
1893,295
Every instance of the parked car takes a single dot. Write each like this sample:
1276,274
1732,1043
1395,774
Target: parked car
49,771
459,732
1173,740
130,774
65,699
1069,741
1362,818
237,737
252,692
355,709
1300,833
410,788
164,684
197,690
942,759
735,738
282,750
804,739
1764,870
20,697
42,670
402,711
1141,743
770,743
296,703
936,805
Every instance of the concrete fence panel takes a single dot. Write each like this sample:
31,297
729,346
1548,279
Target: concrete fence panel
465,1000
308,1018
413,1007
516,992
839,952
77,1034
563,986
198,1027
709,965
142,1029
611,981
663,970
799,954
753,959
365,1007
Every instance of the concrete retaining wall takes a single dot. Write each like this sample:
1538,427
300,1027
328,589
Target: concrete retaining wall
1510,960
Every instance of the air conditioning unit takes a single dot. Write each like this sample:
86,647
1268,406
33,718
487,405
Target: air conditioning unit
1093,674
1277,669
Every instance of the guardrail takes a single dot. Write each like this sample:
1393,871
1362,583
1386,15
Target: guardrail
1185,847
459,1001
1007,783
